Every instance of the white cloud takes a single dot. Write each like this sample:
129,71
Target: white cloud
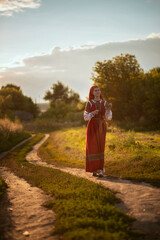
7,8
154,35
73,66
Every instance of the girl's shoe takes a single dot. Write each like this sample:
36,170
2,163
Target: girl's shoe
100,173
95,173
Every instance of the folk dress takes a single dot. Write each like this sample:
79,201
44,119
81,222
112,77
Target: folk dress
96,134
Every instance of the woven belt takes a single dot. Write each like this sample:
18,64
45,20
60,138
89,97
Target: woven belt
98,118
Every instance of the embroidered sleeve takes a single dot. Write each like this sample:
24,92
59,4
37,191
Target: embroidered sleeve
108,112
87,112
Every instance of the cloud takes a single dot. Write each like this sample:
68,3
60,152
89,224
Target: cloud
154,35
7,8
73,66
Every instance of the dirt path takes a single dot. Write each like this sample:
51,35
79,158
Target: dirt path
21,212
141,201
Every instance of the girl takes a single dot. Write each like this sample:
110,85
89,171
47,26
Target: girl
96,111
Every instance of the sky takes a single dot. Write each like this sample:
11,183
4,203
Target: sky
45,41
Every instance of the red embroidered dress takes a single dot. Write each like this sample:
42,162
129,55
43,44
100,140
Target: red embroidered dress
96,133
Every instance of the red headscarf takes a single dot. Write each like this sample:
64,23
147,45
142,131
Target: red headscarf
91,96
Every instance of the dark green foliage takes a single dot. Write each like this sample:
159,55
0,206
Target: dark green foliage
64,103
115,78
12,98
133,93
61,93
151,105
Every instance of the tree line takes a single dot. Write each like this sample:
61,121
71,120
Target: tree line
134,94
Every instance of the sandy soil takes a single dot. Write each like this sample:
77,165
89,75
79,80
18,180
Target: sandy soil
139,200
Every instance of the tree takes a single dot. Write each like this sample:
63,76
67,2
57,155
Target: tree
12,99
151,106
116,79
15,93
62,100
61,93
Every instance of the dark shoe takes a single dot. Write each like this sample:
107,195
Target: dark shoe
95,173
100,173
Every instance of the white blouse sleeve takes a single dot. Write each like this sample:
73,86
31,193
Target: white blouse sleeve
108,113
87,116
87,113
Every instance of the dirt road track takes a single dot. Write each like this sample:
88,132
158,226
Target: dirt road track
21,210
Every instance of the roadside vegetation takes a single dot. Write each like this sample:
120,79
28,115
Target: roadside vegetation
47,125
130,155
85,210
11,133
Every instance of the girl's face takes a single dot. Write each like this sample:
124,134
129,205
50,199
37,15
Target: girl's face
96,92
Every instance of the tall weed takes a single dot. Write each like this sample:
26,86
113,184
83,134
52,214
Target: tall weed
11,133
7,127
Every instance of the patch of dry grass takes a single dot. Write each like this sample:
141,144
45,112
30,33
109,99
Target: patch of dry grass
47,125
7,127
11,133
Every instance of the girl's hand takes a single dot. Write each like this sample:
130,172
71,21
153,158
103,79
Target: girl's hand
95,112
109,105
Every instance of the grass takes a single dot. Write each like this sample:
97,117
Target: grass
129,155
84,210
11,133
3,187
65,147
44,125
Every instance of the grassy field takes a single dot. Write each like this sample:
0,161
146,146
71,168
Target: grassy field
130,155
84,210
11,133
45,125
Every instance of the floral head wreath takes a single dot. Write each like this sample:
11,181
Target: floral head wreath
91,96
